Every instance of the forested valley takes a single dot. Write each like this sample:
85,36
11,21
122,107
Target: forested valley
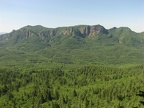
72,67
84,87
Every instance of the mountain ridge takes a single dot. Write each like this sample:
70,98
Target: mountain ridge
74,45
94,27
79,30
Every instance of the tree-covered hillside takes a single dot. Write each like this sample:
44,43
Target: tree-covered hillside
84,87
72,67
37,46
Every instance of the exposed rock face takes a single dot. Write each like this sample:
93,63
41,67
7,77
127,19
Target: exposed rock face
52,33
32,34
68,31
95,30
85,31
28,34
90,31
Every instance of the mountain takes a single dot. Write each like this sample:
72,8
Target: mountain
71,67
122,35
74,45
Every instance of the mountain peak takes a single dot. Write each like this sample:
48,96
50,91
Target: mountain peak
38,33
120,29
97,29
85,30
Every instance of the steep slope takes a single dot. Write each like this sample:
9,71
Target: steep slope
39,34
74,45
41,37
48,34
126,36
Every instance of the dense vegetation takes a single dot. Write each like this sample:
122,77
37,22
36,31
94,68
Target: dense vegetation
86,87
78,45
71,67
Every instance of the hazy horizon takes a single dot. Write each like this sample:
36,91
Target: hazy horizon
51,13
67,26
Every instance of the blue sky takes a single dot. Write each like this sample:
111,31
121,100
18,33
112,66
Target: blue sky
15,14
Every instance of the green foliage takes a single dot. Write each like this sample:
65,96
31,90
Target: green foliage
37,46
85,87
71,67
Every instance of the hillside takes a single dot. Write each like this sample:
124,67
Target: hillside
85,87
71,67
74,45
51,35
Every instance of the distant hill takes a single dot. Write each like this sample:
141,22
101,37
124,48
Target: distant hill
122,35
2,33
81,44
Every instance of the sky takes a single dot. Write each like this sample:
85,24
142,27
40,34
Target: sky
15,14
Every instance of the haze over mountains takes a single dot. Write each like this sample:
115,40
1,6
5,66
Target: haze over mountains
80,44
2,33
